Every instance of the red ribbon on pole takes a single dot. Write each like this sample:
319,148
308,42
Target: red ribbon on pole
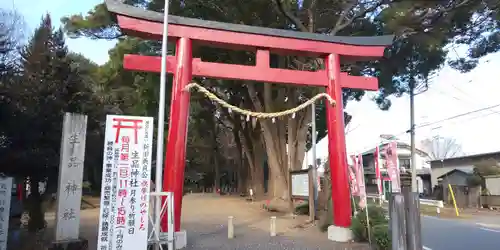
361,182
378,176
352,176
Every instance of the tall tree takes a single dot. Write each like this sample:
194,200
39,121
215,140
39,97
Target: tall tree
47,86
440,148
423,30
482,169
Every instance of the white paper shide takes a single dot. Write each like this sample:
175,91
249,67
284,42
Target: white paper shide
5,196
123,223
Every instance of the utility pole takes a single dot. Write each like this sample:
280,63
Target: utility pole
413,224
314,165
414,187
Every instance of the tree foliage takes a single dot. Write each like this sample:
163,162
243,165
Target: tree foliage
48,85
482,169
426,31
45,80
487,167
48,82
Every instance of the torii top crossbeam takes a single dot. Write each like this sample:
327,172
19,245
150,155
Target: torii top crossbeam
188,31
276,40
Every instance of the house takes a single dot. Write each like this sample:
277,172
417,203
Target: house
456,177
464,195
404,157
464,163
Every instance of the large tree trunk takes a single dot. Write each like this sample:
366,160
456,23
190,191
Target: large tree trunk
255,156
248,138
241,172
35,209
242,177
215,157
276,138
216,173
297,132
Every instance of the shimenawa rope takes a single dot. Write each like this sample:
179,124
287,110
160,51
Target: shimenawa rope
258,115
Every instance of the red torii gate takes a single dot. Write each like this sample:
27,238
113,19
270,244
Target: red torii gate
184,31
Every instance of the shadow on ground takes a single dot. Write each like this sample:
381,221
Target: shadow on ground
205,216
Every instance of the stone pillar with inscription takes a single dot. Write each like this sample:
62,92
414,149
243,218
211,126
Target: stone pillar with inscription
69,192
5,198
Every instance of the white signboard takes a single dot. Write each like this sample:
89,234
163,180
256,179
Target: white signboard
123,222
5,196
300,184
69,193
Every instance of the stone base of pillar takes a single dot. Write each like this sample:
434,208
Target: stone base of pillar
339,234
78,244
180,239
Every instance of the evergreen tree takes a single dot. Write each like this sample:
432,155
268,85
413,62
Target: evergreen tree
49,85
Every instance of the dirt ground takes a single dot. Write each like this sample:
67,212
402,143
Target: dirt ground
205,216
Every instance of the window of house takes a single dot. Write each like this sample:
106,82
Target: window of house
405,163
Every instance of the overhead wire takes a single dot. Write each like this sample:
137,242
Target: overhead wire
489,108
467,95
441,121
459,115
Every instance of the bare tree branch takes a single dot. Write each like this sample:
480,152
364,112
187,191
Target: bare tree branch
341,24
441,148
454,5
290,16
310,13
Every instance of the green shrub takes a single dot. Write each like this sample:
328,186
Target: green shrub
327,218
381,238
359,226
354,207
302,209
358,229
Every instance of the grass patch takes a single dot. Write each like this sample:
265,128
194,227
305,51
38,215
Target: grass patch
444,212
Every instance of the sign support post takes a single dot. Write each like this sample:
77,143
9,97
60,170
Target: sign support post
314,169
161,127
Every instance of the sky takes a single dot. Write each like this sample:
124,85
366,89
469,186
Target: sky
33,10
450,93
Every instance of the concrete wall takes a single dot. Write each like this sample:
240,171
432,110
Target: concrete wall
493,184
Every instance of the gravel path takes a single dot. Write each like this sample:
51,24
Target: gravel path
204,217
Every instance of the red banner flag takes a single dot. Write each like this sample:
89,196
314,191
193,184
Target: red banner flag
391,156
352,176
378,177
361,182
